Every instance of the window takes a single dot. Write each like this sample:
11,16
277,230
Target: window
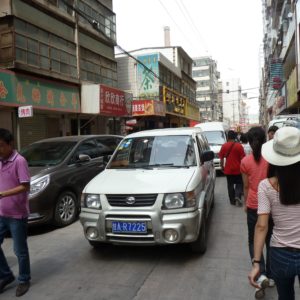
165,151
87,147
107,145
96,68
32,59
21,42
21,55
101,15
37,47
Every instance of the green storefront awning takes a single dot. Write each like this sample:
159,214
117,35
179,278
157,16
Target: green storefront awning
19,90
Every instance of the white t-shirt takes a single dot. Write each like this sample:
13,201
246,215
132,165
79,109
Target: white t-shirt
286,231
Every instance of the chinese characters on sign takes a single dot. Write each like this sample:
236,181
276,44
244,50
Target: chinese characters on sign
3,90
25,111
19,89
113,102
148,107
148,84
175,102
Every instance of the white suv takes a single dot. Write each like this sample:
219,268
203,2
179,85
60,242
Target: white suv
158,188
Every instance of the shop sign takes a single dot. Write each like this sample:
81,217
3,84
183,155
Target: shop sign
23,90
148,83
280,103
292,88
148,108
192,112
114,102
175,102
25,111
131,122
276,73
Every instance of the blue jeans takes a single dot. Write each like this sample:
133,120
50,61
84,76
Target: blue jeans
18,231
285,266
251,222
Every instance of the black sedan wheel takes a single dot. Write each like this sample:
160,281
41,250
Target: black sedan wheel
66,209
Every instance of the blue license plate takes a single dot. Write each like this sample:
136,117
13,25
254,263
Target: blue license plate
129,227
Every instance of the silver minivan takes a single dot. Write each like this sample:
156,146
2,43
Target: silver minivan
158,188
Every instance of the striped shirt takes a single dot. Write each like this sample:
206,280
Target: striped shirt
286,231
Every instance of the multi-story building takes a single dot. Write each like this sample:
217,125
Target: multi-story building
220,100
280,81
50,49
206,75
232,101
164,92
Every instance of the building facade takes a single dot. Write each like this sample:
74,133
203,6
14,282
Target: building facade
232,102
46,59
206,75
280,81
160,80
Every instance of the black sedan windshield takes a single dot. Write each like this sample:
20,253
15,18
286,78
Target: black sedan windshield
47,154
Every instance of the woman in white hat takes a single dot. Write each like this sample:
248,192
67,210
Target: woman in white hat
279,195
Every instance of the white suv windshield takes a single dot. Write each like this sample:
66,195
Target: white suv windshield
215,137
158,151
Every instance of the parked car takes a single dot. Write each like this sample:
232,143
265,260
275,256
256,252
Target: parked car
158,188
60,168
285,120
216,134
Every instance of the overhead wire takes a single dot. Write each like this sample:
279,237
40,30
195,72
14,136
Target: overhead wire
189,18
183,33
90,21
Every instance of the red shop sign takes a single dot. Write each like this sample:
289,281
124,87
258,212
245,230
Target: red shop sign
113,102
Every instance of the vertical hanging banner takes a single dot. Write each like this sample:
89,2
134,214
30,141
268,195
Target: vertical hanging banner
148,84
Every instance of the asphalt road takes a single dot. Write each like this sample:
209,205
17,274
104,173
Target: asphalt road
65,266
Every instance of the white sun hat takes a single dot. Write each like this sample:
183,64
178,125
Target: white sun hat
284,148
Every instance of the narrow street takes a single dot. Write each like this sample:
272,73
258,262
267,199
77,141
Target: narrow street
65,266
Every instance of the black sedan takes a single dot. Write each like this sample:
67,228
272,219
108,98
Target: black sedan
60,168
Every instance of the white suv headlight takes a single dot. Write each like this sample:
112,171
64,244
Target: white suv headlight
38,185
175,200
91,201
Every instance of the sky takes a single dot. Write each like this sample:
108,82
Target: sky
229,31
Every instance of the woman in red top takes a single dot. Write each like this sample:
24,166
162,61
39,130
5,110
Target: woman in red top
254,168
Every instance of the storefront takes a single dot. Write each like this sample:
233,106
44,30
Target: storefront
106,105
179,111
149,114
53,104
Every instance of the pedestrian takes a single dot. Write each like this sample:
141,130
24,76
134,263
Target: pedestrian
271,131
254,169
231,154
245,143
279,195
14,210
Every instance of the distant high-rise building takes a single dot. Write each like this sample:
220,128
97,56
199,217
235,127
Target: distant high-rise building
206,75
232,95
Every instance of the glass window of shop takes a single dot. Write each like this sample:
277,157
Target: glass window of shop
42,49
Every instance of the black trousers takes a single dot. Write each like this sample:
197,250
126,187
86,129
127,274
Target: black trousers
235,187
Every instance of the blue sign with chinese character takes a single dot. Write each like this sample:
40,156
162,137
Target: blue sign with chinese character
148,83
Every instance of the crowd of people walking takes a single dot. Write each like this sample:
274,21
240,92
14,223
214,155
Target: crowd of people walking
264,169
